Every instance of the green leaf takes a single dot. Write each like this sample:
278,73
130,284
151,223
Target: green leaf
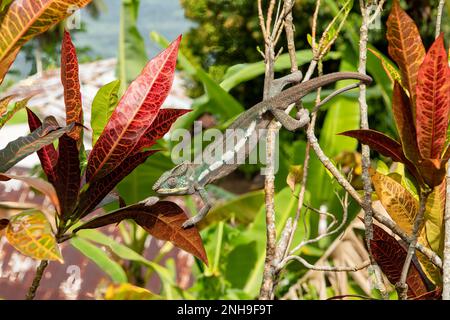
101,259
241,209
103,106
125,253
4,117
127,291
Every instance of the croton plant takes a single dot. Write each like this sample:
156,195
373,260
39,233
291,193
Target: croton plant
79,182
420,104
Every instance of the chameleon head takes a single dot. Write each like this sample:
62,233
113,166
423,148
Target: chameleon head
175,181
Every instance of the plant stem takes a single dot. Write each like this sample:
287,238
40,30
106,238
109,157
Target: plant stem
37,279
402,287
439,17
446,262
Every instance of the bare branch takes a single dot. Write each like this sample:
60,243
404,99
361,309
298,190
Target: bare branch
439,17
402,287
330,268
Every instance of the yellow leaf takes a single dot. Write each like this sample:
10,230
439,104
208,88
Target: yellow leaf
434,216
294,177
398,202
127,291
431,271
31,234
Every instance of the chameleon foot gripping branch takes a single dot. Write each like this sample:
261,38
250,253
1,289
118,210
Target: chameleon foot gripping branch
192,177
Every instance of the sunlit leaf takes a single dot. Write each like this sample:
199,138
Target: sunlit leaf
388,66
433,101
163,220
10,113
434,217
127,291
31,234
25,19
71,83
134,114
405,47
398,202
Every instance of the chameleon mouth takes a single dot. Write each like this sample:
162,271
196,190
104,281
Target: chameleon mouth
169,191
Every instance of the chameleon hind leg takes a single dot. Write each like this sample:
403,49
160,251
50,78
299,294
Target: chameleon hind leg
207,204
288,122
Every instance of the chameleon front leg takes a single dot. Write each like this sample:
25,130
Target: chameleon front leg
290,123
207,204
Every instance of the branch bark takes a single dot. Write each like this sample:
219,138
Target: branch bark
37,279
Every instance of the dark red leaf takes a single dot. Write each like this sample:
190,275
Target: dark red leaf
432,171
402,109
71,84
390,256
433,101
100,188
163,220
3,223
134,114
48,154
160,126
378,141
68,174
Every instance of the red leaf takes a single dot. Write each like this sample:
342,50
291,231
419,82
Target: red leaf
3,223
68,174
160,126
100,188
163,220
405,47
379,142
401,107
433,101
432,171
384,145
134,114
71,84
390,256
48,155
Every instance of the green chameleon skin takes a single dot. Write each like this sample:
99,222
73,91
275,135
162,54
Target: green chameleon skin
189,178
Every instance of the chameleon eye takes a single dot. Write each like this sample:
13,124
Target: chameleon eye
172,182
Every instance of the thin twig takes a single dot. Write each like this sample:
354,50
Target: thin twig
402,287
439,17
37,279
446,263
365,150
309,266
